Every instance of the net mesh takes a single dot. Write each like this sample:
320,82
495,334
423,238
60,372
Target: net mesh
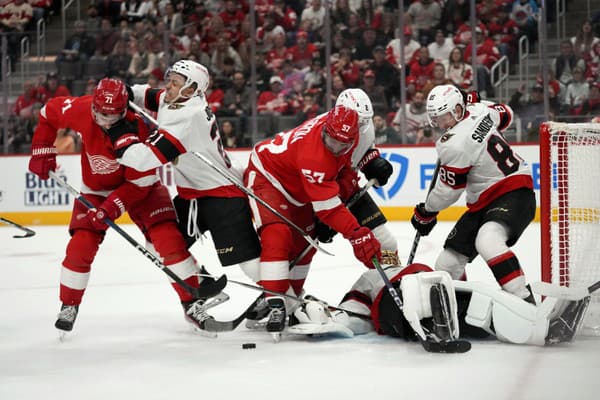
575,210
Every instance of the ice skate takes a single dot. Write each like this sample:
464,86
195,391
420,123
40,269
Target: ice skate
255,319
277,317
65,319
196,312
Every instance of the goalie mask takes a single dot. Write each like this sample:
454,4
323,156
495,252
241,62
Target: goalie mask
340,130
441,106
109,102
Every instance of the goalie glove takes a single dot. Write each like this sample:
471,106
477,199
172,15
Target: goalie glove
314,318
373,166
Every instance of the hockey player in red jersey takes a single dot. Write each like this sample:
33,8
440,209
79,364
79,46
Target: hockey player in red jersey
465,309
113,189
206,200
296,172
474,157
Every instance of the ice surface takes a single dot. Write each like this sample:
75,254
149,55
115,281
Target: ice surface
130,340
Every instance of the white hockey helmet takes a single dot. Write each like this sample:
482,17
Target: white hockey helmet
194,73
357,100
442,100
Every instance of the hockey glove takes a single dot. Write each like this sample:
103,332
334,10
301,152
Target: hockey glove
43,160
324,233
422,220
471,97
373,166
365,246
129,93
111,208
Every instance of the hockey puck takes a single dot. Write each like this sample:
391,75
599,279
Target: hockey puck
249,346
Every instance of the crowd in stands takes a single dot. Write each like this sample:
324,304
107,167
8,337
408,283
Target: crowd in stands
136,40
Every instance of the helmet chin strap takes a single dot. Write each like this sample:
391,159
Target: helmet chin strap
181,96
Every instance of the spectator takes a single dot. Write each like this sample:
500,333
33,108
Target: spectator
214,97
505,33
364,47
386,74
24,104
172,19
52,88
107,38
272,102
525,14
346,68
200,16
384,134
592,71
487,55
314,14
375,92
295,96
530,111
310,108
424,16
457,71
137,10
232,18
190,33
161,69
290,76
224,50
119,60
15,17
421,68
265,34
388,27
440,49
228,134
462,36
315,77
143,61
211,32
284,15
566,62
439,78
237,99
278,54
577,92
79,47
340,13
90,87
584,40
93,19
371,14
303,51
338,86
591,107
416,118
393,48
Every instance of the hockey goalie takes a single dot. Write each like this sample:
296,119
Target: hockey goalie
434,303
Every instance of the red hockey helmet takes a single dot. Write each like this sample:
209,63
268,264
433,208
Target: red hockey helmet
109,102
340,130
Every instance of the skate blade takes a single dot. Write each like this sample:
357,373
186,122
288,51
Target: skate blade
202,332
256,325
63,335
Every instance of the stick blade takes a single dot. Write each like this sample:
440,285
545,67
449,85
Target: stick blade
452,346
211,289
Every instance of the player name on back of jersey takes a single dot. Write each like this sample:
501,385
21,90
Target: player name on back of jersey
482,129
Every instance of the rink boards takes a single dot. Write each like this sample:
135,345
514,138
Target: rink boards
27,200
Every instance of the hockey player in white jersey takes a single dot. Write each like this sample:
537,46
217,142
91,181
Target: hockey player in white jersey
205,200
474,157
366,159
475,309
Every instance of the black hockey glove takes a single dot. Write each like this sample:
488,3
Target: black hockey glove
373,166
471,97
324,233
422,220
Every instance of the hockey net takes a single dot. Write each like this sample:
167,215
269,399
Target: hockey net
570,209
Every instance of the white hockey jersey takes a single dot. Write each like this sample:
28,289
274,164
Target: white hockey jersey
184,128
474,156
366,140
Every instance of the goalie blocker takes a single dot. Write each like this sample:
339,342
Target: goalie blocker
434,303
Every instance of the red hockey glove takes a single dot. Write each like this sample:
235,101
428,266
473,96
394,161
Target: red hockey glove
365,246
422,220
111,208
373,166
43,160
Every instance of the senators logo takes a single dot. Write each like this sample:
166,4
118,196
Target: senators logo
445,137
175,106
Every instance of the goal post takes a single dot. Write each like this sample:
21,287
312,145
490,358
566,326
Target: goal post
570,208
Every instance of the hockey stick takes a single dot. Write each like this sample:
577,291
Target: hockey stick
208,290
428,341
350,203
295,298
231,178
28,232
563,292
417,238
213,325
